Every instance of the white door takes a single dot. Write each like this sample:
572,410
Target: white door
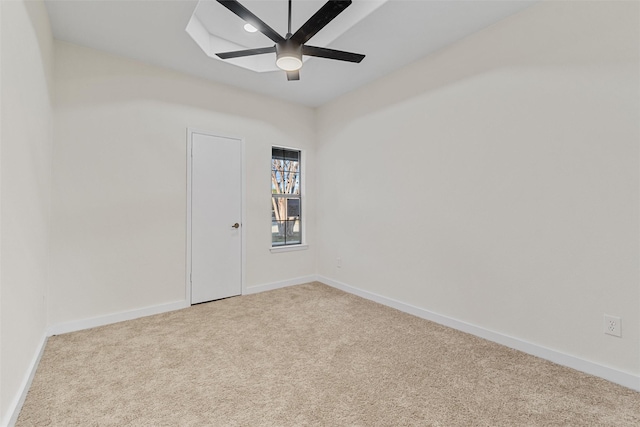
216,210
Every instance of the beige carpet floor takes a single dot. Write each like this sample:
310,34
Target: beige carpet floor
307,355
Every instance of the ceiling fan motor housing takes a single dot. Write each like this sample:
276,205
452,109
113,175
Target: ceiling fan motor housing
289,55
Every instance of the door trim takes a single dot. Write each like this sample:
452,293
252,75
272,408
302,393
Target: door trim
190,133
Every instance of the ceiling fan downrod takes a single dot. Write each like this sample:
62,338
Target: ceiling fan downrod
289,24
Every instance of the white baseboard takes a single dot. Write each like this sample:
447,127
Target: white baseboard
619,377
78,325
277,285
16,405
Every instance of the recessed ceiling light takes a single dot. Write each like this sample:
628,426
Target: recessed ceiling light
250,28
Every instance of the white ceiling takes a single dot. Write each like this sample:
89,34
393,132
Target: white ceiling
395,34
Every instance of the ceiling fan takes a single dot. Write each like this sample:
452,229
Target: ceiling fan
289,49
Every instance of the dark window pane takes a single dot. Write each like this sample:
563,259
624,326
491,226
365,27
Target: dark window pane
293,208
284,154
277,153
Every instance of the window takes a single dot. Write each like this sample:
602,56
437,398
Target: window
286,199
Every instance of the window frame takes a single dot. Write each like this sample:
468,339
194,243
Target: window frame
303,208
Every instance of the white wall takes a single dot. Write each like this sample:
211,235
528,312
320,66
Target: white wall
497,182
119,180
25,191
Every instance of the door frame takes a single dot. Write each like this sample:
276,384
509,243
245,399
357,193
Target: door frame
190,133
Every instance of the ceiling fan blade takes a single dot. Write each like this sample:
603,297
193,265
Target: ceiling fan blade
322,17
246,52
323,52
293,75
244,13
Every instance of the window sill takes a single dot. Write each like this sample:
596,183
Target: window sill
290,248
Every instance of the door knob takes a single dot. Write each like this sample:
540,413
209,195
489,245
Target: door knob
236,225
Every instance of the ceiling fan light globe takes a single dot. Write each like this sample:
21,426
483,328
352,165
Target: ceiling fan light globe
289,63
288,55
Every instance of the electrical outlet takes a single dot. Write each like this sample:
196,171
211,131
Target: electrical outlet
612,325
339,262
